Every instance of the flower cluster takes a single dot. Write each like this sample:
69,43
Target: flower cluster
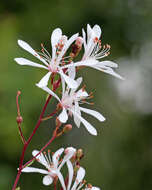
64,65
75,178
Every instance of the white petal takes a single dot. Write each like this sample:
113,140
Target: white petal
70,151
23,61
84,38
34,170
28,48
47,180
97,30
70,171
79,80
81,94
89,32
77,110
44,81
95,188
79,178
49,91
55,37
108,70
63,85
40,158
63,117
87,125
61,179
66,46
56,157
88,62
70,82
93,113
109,64
71,72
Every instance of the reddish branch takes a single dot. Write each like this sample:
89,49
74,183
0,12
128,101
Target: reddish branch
56,84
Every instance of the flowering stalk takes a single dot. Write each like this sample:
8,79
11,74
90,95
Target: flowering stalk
58,63
26,143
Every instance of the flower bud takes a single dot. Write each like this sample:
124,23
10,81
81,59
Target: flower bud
67,128
19,119
79,42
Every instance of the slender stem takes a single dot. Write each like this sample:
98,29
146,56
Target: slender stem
50,115
26,143
19,118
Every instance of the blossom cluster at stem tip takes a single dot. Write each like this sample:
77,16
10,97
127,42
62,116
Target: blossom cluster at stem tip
61,62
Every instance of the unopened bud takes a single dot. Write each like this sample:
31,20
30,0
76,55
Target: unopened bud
79,41
18,92
67,128
80,153
19,119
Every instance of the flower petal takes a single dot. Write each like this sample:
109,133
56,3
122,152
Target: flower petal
108,70
69,152
61,179
93,113
79,178
71,72
88,62
45,88
84,38
55,37
28,48
70,82
77,110
95,188
70,171
97,30
44,81
108,63
79,80
81,94
63,117
40,158
66,46
56,157
23,61
47,180
87,125
35,170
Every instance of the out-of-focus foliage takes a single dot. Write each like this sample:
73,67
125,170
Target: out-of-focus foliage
120,157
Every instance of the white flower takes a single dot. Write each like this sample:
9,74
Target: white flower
78,181
71,98
93,51
53,165
60,45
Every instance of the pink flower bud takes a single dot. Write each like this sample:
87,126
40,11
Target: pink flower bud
19,119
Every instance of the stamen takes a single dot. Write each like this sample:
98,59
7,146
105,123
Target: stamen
46,158
49,157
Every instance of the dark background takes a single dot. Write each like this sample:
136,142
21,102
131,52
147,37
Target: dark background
120,157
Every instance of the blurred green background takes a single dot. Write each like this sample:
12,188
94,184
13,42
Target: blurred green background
120,157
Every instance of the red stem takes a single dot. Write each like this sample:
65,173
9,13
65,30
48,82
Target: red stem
33,132
28,141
